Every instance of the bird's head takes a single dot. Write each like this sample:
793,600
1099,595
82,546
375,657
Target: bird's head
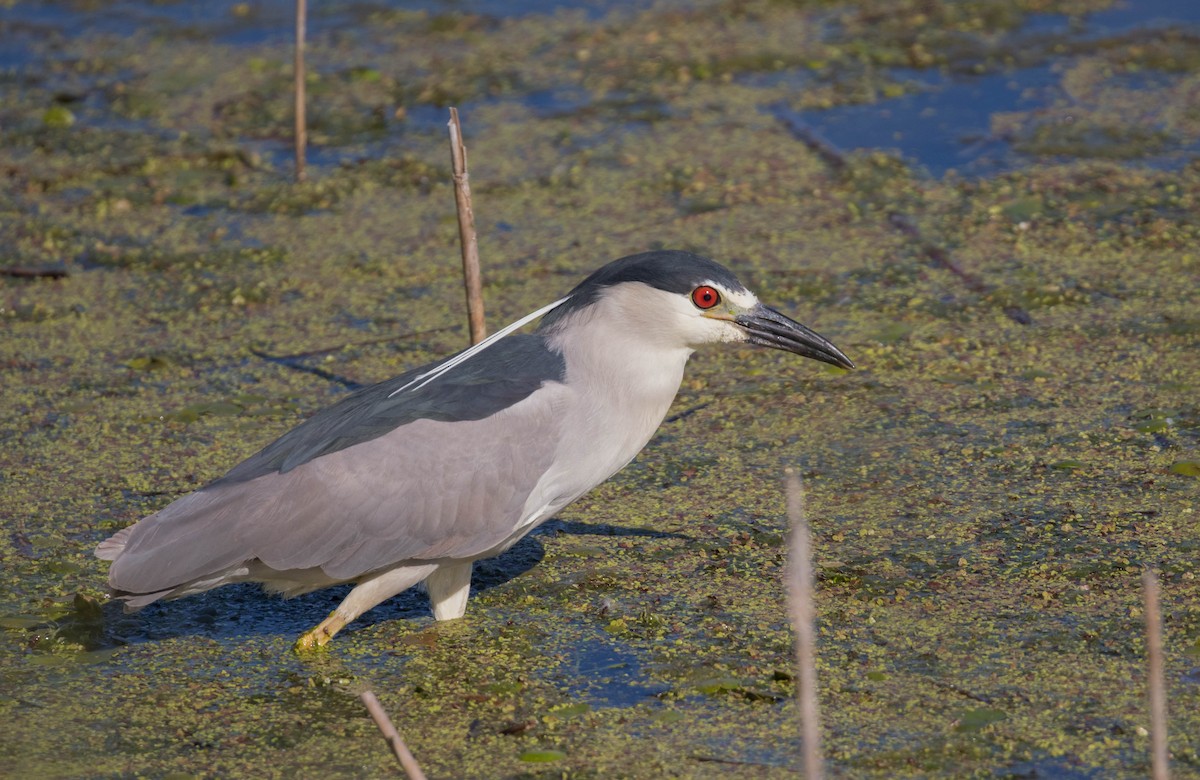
684,300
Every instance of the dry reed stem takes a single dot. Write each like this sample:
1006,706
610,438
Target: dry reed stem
1157,692
469,242
800,586
380,716
301,130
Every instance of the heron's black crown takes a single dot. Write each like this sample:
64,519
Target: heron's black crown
669,270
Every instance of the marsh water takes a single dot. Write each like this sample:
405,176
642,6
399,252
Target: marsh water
992,207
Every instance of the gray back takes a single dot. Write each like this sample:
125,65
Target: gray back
500,376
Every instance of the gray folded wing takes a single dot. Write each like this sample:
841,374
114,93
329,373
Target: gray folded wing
377,479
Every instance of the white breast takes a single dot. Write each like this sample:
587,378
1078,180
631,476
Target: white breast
618,389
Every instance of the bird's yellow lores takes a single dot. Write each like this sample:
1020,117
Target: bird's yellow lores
415,478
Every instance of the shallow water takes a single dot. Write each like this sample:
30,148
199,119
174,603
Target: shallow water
944,121
984,493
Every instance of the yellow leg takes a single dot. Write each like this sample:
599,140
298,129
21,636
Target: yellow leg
366,594
319,637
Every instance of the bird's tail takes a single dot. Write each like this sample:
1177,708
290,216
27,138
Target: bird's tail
112,547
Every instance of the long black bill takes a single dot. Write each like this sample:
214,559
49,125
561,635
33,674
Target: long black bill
768,328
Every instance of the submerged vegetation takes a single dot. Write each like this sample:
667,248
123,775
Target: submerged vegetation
984,491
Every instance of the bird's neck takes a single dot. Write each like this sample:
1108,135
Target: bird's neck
615,394
619,367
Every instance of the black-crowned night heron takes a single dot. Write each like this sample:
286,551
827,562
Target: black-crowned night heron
415,478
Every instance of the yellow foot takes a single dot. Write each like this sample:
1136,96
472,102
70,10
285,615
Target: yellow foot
320,636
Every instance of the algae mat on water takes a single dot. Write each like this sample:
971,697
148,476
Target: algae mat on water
1020,440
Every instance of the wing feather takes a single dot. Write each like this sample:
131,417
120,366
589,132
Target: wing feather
490,382
442,470
427,490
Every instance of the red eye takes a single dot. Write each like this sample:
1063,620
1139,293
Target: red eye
705,297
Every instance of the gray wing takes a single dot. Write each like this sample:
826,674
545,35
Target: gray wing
349,494
496,378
